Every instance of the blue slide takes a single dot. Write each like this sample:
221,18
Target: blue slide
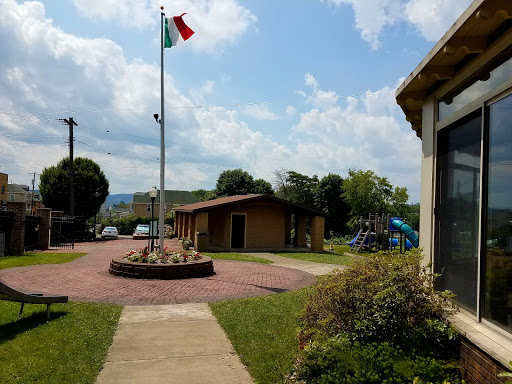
407,231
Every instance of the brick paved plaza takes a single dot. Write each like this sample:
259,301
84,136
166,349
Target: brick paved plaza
87,279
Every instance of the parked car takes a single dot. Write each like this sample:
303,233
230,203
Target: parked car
142,229
109,232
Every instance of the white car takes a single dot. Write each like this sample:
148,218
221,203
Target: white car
142,229
109,232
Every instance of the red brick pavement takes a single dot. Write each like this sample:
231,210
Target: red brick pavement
87,279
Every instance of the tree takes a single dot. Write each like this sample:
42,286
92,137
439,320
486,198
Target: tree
367,193
328,200
90,186
204,195
295,187
263,187
122,204
234,182
399,206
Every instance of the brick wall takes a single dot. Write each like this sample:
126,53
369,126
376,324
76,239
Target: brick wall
477,367
17,246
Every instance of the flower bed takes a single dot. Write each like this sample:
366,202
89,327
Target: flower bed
145,256
143,264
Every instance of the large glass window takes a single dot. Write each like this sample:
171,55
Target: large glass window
498,255
480,87
457,209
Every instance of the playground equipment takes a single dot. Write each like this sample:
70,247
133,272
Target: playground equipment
378,234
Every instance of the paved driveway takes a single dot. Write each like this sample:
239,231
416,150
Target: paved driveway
87,279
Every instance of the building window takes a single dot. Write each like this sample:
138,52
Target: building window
12,197
3,189
498,254
457,209
148,207
481,84
473,237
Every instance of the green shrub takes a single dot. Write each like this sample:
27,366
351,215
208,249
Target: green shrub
379,299
338,360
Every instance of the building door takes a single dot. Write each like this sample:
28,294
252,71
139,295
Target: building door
238,230
457,209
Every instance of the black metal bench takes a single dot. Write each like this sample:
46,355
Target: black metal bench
11,294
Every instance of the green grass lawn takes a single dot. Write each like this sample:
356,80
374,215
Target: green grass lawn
70,348
37,258
325,257
341,249
237,257
263,331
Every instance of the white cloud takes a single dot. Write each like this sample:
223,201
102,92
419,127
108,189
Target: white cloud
371,16
291,111
434,17
198,95
260,112
368,133
431,18
48,70
217,24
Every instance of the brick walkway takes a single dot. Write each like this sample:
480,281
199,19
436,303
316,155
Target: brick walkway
87,279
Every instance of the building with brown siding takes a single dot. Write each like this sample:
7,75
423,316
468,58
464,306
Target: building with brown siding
248,222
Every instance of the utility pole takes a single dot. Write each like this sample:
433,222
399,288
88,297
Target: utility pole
32,200
71,123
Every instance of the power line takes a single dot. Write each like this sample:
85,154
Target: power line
244,104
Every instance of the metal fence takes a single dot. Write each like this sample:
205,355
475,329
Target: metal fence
31,232
61,232
6,223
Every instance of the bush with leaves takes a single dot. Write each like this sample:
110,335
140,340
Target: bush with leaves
380,299
378,321
338,360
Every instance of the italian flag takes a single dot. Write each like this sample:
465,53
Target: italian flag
176,31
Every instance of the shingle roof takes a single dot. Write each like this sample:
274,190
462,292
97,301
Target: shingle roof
15,188
171,197
230,200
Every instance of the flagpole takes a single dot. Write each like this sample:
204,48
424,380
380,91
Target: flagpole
162,142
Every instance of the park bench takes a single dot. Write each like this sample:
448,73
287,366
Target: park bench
11,294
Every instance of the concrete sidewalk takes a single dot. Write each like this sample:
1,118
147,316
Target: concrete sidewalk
306,266
179,343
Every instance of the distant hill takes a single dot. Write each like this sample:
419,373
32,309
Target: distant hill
117,198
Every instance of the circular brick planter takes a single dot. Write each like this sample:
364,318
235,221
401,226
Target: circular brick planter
196,268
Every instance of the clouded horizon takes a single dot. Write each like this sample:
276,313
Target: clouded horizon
305,86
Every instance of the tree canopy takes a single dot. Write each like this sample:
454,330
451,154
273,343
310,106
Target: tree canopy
90,186
328,199
234,182
367,193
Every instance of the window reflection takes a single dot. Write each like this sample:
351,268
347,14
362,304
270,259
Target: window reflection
458,210
498,263
497,76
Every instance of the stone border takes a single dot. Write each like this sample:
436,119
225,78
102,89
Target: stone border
191,269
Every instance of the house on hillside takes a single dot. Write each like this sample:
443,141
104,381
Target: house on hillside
141,202
260,222
459,102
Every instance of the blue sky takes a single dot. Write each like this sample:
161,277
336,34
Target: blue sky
262,85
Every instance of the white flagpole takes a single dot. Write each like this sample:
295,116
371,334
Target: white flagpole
162,142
